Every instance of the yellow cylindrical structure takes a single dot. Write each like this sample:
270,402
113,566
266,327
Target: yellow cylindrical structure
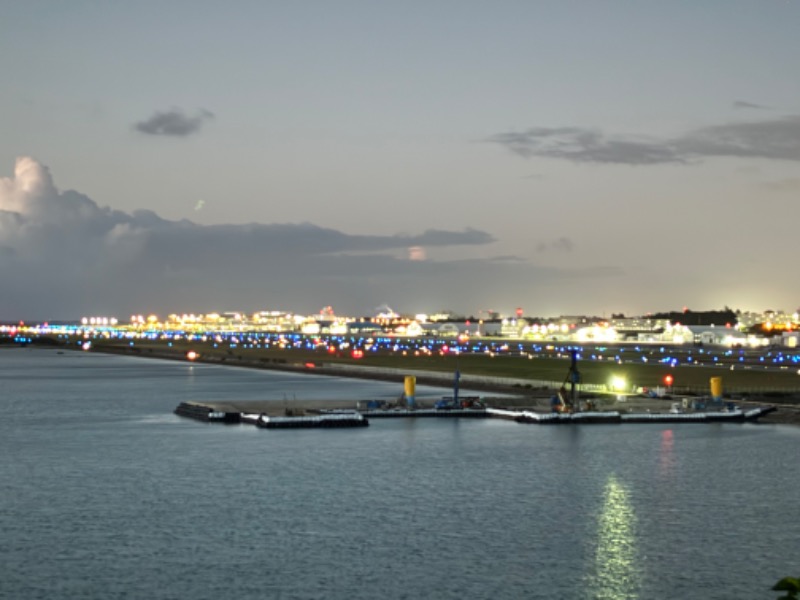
716,388
409,389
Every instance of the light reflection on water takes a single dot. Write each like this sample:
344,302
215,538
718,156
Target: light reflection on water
666,461
617,570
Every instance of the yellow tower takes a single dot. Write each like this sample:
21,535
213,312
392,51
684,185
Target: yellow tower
716,388
410,389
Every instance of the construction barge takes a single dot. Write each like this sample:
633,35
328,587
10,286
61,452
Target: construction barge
345,418
214,413
565,409
589,417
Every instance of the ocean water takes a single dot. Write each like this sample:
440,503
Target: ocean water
107,494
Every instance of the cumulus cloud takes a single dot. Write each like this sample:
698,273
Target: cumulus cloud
777,138
173,123
67,257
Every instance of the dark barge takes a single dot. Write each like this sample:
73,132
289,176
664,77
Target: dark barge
214,413
201,412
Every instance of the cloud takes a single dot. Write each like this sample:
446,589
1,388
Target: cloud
743,104
436,237
507,258
777,139
561,245
586,145
417,253
68,257
784,185
173,122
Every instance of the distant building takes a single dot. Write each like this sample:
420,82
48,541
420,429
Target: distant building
708,335
789,339
364,328
639,328
596,333
770,319
448,329
512,328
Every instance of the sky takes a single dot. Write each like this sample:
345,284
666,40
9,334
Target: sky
562,157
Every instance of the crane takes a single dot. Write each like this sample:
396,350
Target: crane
564,402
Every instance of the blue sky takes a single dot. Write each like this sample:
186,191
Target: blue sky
565,157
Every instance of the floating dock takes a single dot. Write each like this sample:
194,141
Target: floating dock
342,418
328,420
468,413
589,417
206,413
213,413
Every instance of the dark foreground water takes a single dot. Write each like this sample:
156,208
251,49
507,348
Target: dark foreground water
107,494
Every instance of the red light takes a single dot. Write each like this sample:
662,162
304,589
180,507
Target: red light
668,379
310,365
358,353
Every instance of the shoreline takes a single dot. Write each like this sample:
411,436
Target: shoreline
516,395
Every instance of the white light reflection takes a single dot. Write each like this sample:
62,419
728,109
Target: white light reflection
617,575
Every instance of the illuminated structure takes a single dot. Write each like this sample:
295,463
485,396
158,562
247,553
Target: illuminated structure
775,328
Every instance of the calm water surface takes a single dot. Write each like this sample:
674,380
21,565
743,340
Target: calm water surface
107,494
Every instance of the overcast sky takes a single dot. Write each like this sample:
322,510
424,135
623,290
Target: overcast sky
563,157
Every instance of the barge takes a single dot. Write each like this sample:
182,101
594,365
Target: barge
341,418
202,412
589,417
326,420
214,413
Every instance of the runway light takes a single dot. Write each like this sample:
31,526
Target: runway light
192,355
